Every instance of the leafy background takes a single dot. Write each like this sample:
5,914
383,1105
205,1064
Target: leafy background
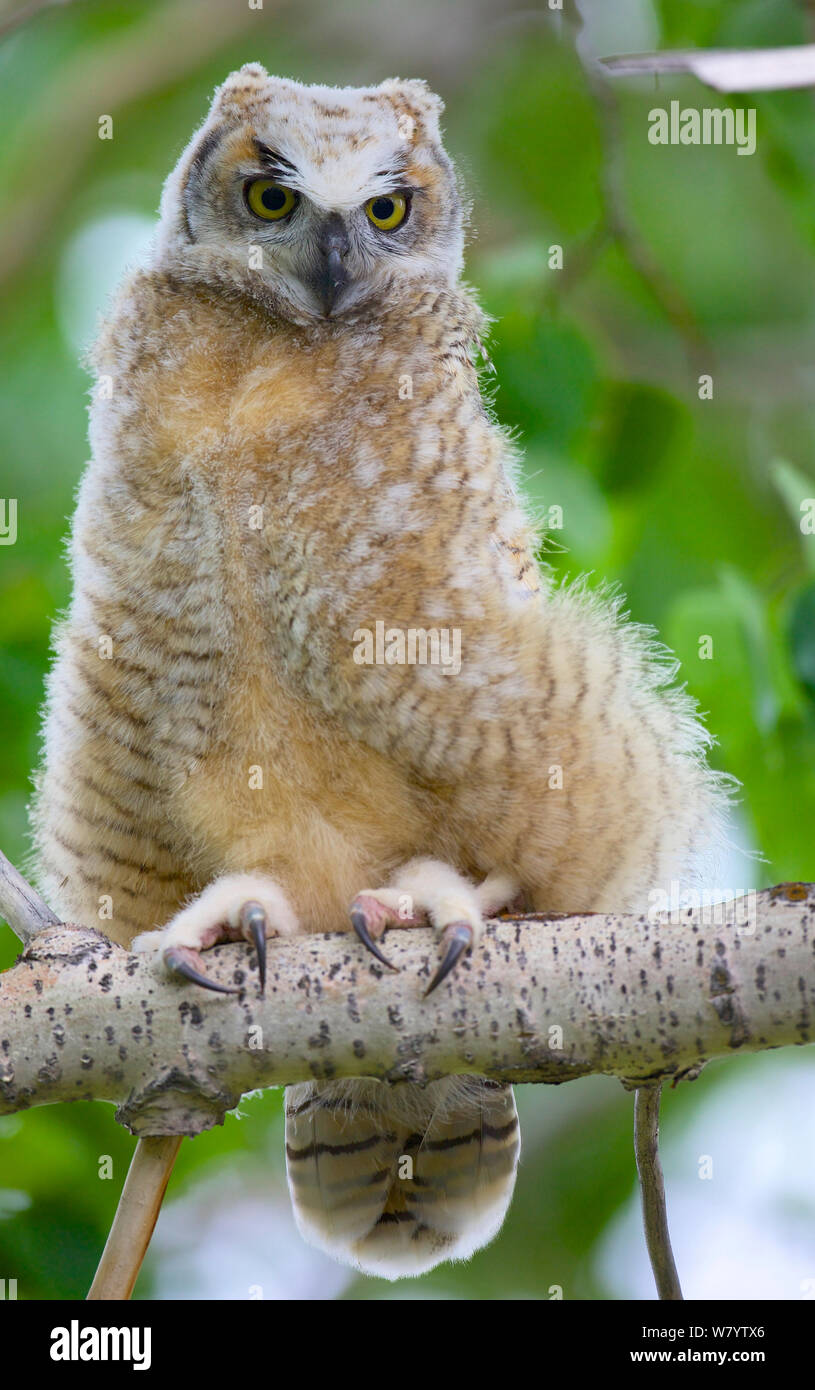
676,262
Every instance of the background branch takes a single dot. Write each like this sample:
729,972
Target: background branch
617,225
12,18
726,69
169,43
652,1192
21,906
135,1218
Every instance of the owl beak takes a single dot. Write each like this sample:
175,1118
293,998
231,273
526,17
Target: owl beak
332,276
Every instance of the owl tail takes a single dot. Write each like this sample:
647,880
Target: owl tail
395,1179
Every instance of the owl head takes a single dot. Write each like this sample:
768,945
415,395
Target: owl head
319,202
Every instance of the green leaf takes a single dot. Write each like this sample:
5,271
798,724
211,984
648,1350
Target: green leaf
802,638
797,490
750,608
546,375
643,425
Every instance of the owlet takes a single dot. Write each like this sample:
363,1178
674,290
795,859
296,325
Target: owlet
312,671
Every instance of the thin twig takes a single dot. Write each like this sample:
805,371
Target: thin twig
622,229
617,224
583,257
135,1218
652,1188
21,906
728,70
808,6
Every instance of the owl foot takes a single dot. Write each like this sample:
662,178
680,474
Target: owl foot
253,925
371,913
238,907
427,890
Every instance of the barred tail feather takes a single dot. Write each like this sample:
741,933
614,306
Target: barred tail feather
340,1154
393,1180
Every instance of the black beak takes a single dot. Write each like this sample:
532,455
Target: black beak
331,277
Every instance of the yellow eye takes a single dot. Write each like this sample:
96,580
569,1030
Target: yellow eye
388,211
269,200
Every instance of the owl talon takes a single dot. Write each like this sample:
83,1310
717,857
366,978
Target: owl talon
254,925
184,961
360,924
237,907
428,891
458,938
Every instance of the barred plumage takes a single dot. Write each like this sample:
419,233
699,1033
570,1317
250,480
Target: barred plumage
398,1178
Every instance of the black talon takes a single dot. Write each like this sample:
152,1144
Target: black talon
177,959
361,928
254,921
459,938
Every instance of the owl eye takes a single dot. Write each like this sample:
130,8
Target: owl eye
388,211
269,200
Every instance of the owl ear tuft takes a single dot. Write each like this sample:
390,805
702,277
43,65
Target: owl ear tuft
241,87
412,97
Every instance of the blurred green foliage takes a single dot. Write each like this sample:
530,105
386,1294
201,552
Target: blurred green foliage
676,262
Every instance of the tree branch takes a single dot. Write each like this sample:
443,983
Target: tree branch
616,224
726,69
103,77
652,1191
21,906
540,1000
136,1216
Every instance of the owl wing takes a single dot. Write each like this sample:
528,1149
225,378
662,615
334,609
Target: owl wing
396,1179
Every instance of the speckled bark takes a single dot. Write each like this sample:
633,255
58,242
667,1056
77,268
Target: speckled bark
81,1019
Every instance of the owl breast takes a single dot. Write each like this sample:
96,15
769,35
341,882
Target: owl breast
260,494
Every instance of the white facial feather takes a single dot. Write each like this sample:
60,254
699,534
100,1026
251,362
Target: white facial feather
336,148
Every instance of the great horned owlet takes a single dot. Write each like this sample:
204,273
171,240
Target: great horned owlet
311,671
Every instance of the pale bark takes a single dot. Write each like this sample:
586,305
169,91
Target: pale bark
540,1000
652,1192
135,1219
